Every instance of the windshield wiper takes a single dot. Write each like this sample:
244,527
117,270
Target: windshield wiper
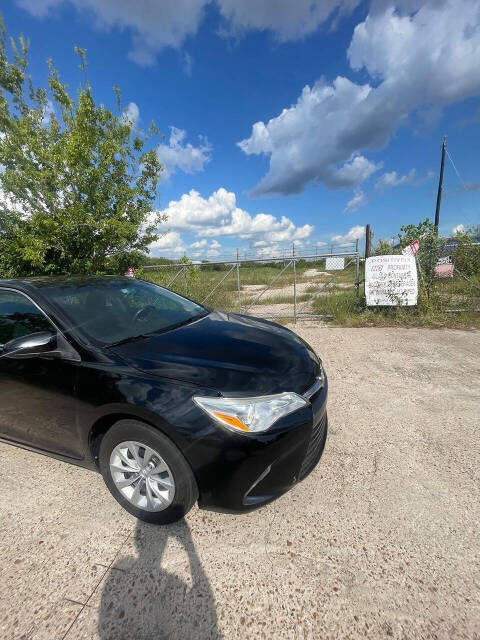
181,323
144,336
141,336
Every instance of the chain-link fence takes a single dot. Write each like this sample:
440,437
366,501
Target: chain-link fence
277,286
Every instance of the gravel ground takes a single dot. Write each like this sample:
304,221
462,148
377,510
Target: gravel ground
380,541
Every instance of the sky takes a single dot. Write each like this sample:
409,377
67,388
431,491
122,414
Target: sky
284,122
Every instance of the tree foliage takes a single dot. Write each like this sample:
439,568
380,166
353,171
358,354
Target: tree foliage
383,248
466,255
411,232
430,249
77,181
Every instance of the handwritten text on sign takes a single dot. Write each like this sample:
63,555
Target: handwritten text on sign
391,281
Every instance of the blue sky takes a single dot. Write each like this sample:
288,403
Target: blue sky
284,121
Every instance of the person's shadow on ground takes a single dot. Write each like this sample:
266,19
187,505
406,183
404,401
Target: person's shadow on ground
143,601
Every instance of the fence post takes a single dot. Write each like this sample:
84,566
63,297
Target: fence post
294,284
238,287
357,269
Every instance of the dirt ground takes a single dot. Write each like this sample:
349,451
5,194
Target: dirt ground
380,541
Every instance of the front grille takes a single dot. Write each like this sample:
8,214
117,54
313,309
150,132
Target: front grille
315,447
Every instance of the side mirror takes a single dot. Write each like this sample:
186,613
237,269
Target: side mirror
35,344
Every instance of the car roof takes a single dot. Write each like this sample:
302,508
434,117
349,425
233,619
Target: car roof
29,284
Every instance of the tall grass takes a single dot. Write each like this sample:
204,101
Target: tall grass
346,309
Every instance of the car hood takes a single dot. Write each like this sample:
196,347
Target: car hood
230,353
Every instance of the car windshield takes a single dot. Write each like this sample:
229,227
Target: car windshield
116,310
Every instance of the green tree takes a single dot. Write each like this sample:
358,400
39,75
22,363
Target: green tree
411,232
77,181
383,248
466,255
430,248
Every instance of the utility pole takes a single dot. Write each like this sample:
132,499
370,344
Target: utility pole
367,241
440,185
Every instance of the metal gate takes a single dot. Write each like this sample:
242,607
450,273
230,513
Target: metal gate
271,287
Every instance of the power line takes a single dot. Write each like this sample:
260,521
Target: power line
454,167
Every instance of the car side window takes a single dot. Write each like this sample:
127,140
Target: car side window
20,317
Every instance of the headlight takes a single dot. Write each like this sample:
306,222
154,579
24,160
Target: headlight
250,414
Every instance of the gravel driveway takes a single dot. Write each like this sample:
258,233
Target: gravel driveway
380,541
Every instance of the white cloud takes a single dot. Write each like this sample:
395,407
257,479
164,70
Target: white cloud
415,60
155,24
392,179
199,244
355,233
131,113
287,20
385,181
177,155
303,141
269,251
359,200
168,243
460,228
303,232
212,251
218,215
354,172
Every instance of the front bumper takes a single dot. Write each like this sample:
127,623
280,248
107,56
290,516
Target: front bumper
250,471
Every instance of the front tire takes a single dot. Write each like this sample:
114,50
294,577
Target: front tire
146,473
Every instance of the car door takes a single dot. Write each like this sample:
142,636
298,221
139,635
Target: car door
38,406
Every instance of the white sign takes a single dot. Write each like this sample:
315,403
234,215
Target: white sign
444,267
334,264
412,249
391,281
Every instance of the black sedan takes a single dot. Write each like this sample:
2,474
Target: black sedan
171,401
